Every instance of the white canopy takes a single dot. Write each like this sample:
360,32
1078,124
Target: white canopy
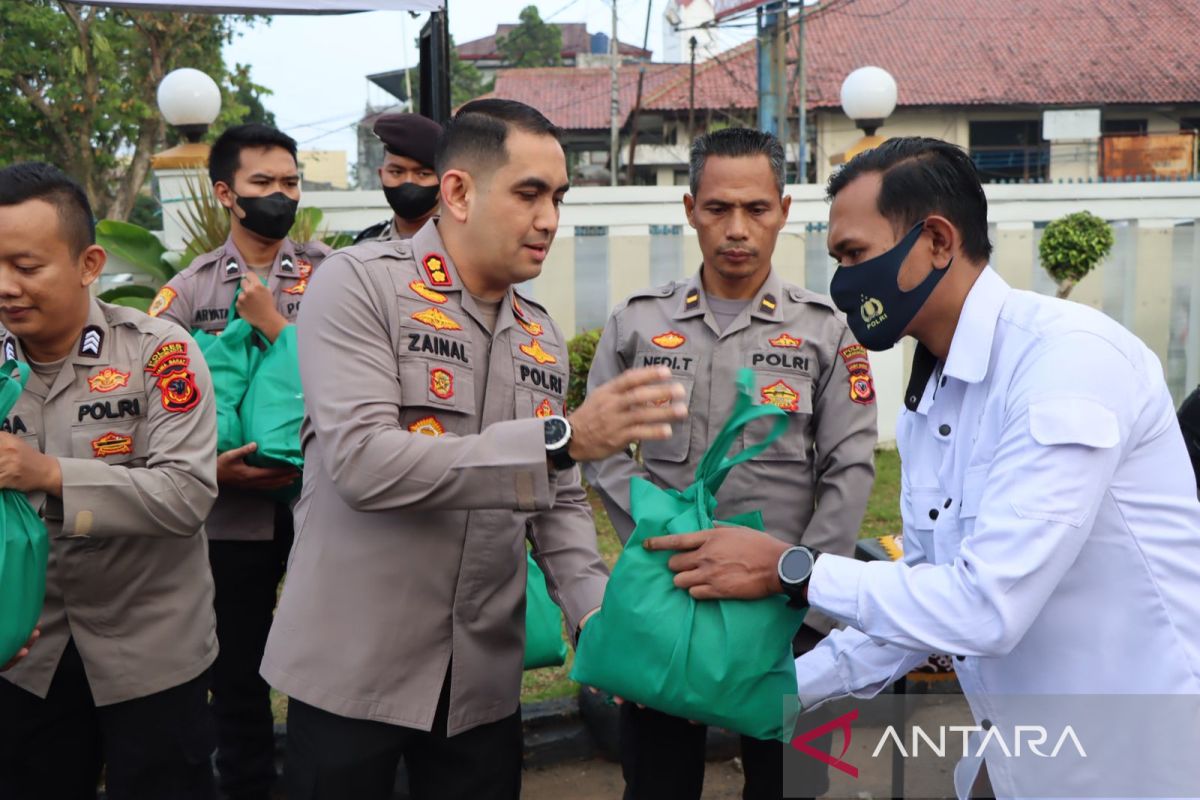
280,6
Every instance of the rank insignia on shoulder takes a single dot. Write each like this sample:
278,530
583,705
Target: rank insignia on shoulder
534,350
427,426
669,340
421,290
780,395
862,385
785,340
286,265
232,267
107,380
544,409
162,301
692,301
437,320
177,384
768,303
435,269
91,341
112,444
441,383
10,349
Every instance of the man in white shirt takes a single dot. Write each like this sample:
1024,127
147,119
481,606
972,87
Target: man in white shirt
1051,526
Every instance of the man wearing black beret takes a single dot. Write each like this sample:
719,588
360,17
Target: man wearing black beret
409,180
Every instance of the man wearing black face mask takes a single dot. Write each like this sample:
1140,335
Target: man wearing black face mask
409,180
254,174
1051,526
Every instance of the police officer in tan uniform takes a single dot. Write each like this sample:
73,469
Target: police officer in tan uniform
112,443
435,444
254,174
409,180
812,484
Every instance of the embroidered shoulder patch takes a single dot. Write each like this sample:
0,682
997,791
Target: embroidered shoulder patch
669,340
107,380
162,301
436,319
435,270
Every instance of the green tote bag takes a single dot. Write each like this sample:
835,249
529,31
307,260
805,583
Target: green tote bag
725,662
273,408
232,358
24,546
544,645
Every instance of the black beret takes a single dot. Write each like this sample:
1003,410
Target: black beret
410,135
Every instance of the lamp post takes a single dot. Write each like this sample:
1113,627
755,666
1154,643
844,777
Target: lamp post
868,98
190,102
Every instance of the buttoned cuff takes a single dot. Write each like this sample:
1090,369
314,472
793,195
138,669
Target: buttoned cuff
817,678
84,490
833,588
535,484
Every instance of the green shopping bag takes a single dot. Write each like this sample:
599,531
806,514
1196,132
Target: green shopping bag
273,408
232,358
24,546
544,645
726,662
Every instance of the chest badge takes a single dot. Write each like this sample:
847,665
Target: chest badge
107,380
305,269
441,383
534,350
435,269
421,290
112,444
669,340
544,409
785,340
436,319
780,395
427,426
532,328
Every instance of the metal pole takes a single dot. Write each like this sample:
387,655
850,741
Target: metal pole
692,92
801,103
615,107
637,104
768,99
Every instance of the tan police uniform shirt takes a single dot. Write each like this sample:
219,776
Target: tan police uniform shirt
422,481
812,484
200,297
131,418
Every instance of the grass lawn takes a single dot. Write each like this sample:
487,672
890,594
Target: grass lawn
882,517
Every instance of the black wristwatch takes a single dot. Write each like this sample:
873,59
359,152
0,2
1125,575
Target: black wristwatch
558,439
795,570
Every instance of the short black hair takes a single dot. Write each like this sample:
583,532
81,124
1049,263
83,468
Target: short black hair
226,154
735,143
923,176
478,132
34,180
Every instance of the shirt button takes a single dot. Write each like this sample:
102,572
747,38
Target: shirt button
986,724
948,501
944,430
933,513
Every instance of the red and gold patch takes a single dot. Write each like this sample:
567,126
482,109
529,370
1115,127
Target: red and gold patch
780,395
305,269
534,350
436,319
441,383
435,268
532,328
112,444
427,426
862,386
785,340
169,354
422,290
853,352
669,340
544,410
107,380
162,301
169,365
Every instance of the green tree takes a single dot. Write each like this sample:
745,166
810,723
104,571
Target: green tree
1072,246
533,43
78,84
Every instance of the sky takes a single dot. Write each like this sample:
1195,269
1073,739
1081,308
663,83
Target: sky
316,66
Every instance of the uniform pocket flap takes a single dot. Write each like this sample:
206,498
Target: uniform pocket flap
1073,420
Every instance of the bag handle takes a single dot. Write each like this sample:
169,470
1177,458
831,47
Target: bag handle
716,463
10,387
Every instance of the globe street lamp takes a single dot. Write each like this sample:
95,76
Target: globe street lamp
868,98
189,101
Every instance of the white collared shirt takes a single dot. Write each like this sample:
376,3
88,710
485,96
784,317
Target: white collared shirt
1051,526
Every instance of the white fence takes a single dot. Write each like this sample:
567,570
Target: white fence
613,241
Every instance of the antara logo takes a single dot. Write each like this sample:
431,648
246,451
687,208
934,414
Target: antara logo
1025,739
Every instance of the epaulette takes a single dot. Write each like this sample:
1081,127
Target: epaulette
801,295
372,232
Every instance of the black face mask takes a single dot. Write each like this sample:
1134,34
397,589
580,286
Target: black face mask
411,201
876,308
271,217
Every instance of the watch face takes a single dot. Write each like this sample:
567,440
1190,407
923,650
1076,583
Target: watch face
797,565
555,429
